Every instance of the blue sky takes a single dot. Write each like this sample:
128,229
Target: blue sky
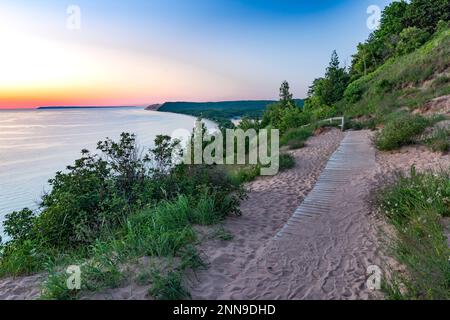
188,49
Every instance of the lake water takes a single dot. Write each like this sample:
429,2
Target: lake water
35,144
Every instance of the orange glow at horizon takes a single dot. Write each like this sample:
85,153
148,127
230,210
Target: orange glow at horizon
57,71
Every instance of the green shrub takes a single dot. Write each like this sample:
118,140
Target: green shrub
354,91
385,86
324,112
410,39
246,174
19,225
400,131
287,161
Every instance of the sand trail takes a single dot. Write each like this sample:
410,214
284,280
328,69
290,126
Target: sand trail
322,251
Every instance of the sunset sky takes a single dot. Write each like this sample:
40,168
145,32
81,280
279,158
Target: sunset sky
144,52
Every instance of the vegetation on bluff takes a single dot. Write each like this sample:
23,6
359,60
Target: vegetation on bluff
109,209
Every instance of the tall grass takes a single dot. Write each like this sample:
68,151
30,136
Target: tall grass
439,141
161,231
415,206
296,138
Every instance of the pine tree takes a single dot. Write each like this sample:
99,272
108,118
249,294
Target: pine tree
286,98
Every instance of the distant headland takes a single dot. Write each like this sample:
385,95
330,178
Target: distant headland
85,107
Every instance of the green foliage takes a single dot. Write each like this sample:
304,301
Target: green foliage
411,39
439,140
118,204
245,174
160,231
19,225
404,27
168,287
55,288
331,88
190,259
205,212
162,154
426,14
399,131
399,82
285,114
441,81
415,205
355,90
223,235
222,111
286,98
287,161
296,138
247,124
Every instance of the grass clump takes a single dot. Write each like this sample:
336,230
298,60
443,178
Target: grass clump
439,141
223,235
287,161
401,130
296,138
415,206
168,287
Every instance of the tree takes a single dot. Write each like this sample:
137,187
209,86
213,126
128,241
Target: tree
286,99
425,14
330,89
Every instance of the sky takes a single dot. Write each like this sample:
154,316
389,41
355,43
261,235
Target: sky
111,53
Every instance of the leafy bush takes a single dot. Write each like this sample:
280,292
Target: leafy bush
287,161
354,91
324,112
400,131
148,201
385,86
410,39
19,225
285,117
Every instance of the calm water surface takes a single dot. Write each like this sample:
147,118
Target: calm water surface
35,144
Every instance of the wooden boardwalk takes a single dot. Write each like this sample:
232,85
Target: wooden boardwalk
354,155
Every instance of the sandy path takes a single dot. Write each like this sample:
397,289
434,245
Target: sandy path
271,202
323,255
325,258
21,288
